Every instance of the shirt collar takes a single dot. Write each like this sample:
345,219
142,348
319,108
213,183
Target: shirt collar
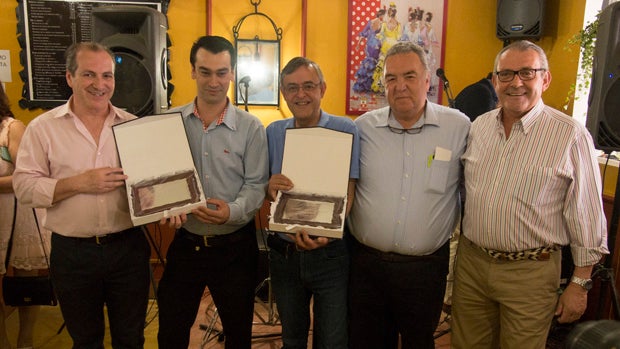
112,118
428,117
323,119
223,118
528,120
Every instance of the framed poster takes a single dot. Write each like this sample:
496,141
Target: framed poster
374,27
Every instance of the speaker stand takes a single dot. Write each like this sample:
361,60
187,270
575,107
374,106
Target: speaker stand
605,271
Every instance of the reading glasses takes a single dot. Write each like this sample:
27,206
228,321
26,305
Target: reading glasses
525,74
409,131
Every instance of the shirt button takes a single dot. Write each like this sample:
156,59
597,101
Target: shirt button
206,154
406,175
403,198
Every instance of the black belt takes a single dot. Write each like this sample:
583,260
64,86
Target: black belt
215,240
276,243
103,239
397,257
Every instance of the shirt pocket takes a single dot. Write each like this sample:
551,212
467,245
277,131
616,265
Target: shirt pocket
536,186
437,176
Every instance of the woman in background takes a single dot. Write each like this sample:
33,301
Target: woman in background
364,75
26,253
391,31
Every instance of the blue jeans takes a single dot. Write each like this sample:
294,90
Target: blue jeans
87,275
296,277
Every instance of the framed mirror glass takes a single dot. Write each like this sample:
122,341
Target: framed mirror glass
257,73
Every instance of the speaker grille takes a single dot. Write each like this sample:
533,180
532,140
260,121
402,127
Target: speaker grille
607,138
520,18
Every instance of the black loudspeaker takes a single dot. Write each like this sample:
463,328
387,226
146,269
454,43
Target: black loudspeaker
137,36
603,119
520,19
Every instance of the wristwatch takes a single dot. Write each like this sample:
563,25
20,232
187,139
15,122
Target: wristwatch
585,283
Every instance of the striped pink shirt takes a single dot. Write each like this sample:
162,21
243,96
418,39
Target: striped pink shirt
539,187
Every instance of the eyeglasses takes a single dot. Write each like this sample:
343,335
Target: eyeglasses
524,74
409,131
306,87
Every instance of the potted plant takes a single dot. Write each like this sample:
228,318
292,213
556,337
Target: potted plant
586,40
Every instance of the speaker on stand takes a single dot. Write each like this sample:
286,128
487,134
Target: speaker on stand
603,118
519,19
137,37
603,123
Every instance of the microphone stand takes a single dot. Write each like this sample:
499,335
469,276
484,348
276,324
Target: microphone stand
245,97
446,87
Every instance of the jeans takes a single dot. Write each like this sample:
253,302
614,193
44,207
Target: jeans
229,271
299,276
87,275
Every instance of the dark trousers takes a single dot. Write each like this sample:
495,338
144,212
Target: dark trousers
230,272
297,276
87,275
392,294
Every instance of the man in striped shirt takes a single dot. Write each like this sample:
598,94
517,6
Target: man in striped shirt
533,185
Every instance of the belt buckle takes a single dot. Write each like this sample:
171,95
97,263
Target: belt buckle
205,239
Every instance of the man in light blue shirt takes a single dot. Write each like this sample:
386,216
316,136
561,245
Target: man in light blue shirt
217,245
302,266
406,207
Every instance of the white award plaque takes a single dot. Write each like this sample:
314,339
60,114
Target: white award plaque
318,161
155,155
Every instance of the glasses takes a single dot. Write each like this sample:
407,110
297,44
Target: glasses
409,131
524,74
306,87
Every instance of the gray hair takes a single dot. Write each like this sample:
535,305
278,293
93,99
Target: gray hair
298,62
408,47
524,45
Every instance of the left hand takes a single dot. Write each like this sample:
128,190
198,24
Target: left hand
305,242
572,303
217,215
175,221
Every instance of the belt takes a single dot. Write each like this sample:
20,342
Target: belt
535,254
276,243
214,240
397,257
103,239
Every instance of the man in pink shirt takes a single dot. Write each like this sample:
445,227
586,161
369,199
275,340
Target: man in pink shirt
69,165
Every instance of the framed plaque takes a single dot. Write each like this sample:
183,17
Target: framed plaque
155,155
317,160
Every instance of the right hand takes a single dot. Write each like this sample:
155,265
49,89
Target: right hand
278,182
101,180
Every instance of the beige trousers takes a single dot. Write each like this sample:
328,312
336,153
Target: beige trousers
507,304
